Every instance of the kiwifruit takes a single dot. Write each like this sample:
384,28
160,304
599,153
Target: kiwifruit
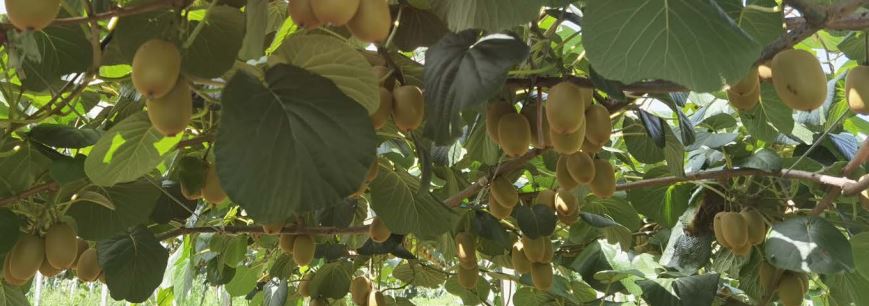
518,259
287,243
373,170
32,15
303,249
384,111
61,246
755,224
580,166
156,68
735,231
408,107
172,113
747,84
857,89
334,12
546,197
372,21
384,77
565,107
746,101
468,277
568,219
765,274
82,246
304,287
498,210
598,124
26,256
548,252
742,250
504,191
8,277
541,275
47,270
88,266
514,134
562,175
302,14
378,230
799,79
591,148
790,290
273,229
566,203
567,143
804,279
494,112
376,298
530,113
535,249
360,287
604,183
212,191
719,231
466,250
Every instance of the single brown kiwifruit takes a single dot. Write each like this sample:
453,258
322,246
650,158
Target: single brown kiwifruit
566,203
591,148
494,112
384,110
719,231
568,143
546,197
747,84
302,14
173,112
466,250
746,101
378,230
26,256
604,183
61,246
765,275
498,210
735,231
791,290
467,277
535,249
504,192
756,225
82,246
8,277
857,89
156,68
581,167
304,287
565,107
212,191
408,107
88,266
517,257
562,175
372,21
799,79
541,276
598,125
303,250
47,270
569,219
32,15
286,243
360,287
514,134
334,12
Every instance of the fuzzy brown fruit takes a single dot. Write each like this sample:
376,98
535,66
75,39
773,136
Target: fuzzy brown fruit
719,231
498,210
581,167
546,197
82,246
765,274
172,113
541,276
47,270
591,148
32,15
360,287
156,68
514,132
799,79
303,250
734,230
743,250
26,256
567,143
566,203
744,101
518,259
747,84
304,287
286,243
857,89
755,224
604,183
88,267
61,246
598,124
384,111
303,14
504,192
273,229
334,12
565,108
408,109
376,298
212,191
8,277
494,112
466,250
540,137
562,175
535,249
791,290
372,21
468,277
378,230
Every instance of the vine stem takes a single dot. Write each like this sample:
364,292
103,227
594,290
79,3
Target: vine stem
292,230
834,192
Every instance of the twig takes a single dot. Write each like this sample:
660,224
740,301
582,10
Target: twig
503,168
293,230
29,193
834,192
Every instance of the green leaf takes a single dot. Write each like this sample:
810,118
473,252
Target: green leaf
763,25
418,28
808,244
641,146
19,171
256,14
332,280
764,159
469,297
294,144
127,151
847,288
689,290
489,15
633,40
134,30
530,296
535,221
133,264
244,281
9,232
396,199
779,115
854,47
615,208
686,252
133,204
412,273
11,296
337,61
859,245
63,136
172,205
58,51
216,47
462,72
664,204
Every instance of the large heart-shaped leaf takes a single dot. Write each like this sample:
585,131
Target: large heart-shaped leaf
664,204
418,28
489,15
419,275
62,136
132,202
216,46
336,61
127,151
57,51
332,280
461,72
133,264
9,231
859,245
20,170
396,199
295,143
809,244
676,40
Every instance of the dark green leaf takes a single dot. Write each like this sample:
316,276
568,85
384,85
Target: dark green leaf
62,136
808,244
171,205
134,30
19,171
654,127
332,280
597,220
489,15
689,290
244,281
535,221
216,47
190,172
418,28
133,204
396,199
133,264
764,159
859,245
216,273
469,297
9,232
59,50
68,170
487,227
639,144
419,275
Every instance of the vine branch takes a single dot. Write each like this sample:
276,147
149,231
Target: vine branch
292,230
834,192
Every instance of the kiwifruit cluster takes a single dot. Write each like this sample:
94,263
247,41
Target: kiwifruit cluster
466,252
57,251
798,79
367,20
211,191
745,94
534,256
157,76
508,128
404,104
573,170
575,123
739,231
32,15
503,197
301,247
360,290
857,89
791,287
378,230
